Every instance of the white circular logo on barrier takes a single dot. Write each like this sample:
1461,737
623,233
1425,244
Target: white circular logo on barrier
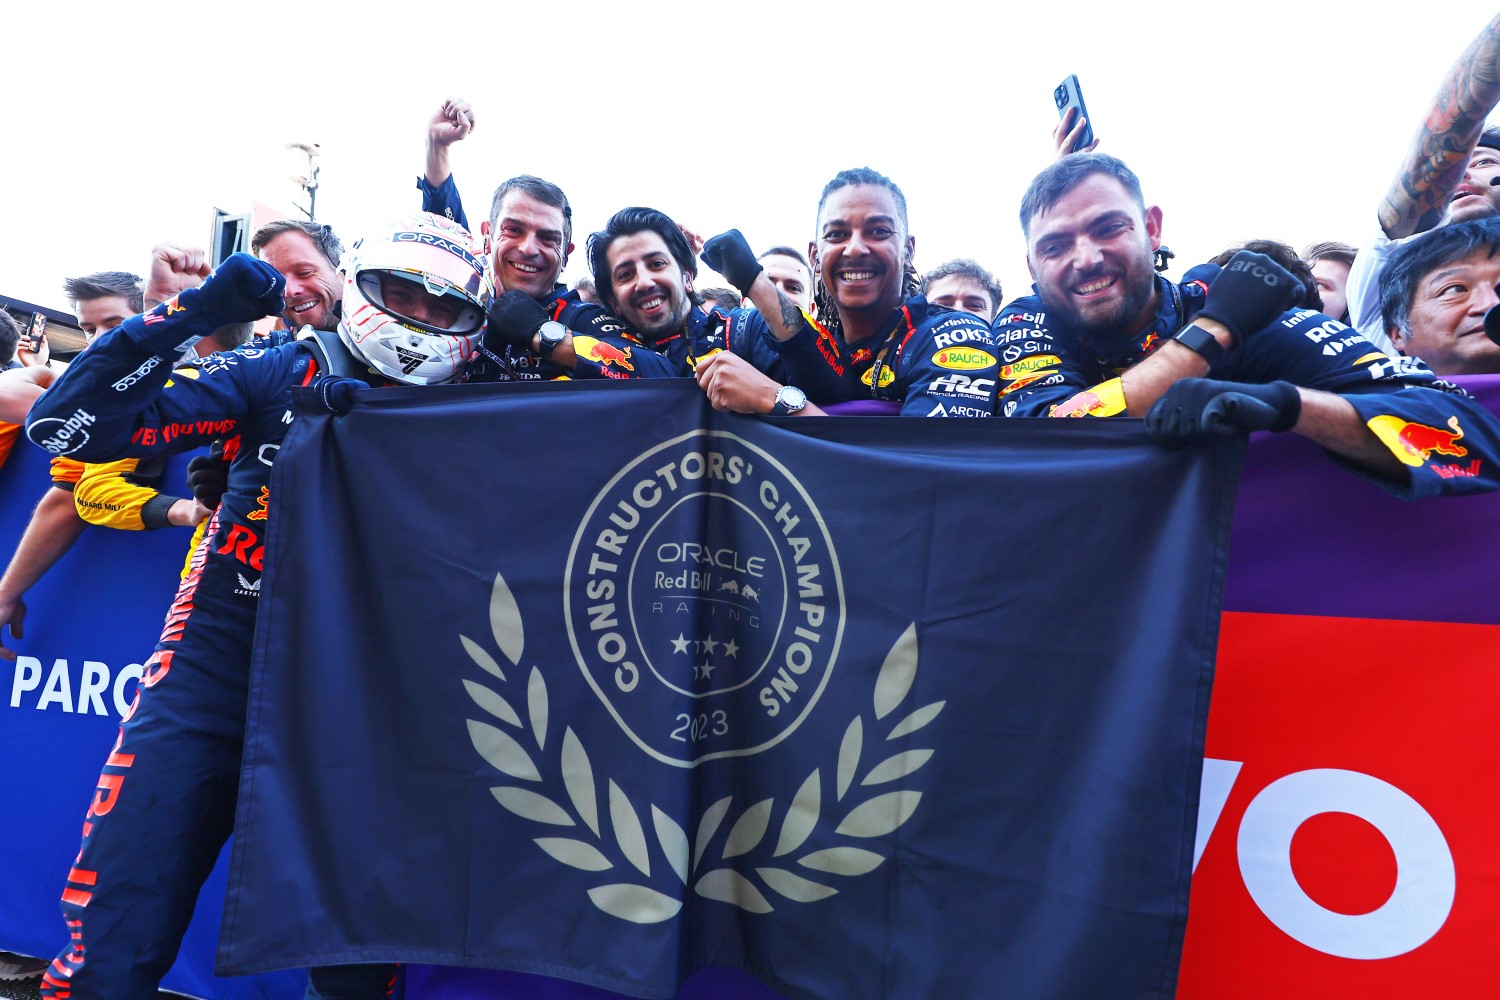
1425,878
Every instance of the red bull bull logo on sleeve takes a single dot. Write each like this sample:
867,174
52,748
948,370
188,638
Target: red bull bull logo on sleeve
1103,400
605,354
1415,444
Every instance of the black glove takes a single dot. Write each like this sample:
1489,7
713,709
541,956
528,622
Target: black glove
731,256
514,319
336,393
1200,407
208,475
242,290
1249,293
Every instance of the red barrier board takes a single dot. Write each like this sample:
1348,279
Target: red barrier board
1354,852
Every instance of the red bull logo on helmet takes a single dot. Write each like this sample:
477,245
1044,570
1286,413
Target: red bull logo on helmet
1415,444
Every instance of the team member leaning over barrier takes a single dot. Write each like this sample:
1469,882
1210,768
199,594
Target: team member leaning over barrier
1105,336
414,309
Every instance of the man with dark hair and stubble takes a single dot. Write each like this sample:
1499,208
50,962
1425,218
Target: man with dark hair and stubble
1224,353
644,268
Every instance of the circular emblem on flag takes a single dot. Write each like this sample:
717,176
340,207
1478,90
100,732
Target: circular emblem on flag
703,599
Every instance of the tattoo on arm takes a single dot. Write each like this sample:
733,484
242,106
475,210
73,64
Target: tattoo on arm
1439,154
791,314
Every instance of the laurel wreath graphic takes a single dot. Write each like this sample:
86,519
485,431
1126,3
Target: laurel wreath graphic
515,747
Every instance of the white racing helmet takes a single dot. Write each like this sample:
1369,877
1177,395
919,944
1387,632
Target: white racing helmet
415,299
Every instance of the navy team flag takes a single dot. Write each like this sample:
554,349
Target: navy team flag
607,686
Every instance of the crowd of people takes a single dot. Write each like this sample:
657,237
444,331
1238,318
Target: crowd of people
1355,349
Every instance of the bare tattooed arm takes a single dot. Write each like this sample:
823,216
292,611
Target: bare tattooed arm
1439,155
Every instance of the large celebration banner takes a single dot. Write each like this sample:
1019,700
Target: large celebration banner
611,687
1344,839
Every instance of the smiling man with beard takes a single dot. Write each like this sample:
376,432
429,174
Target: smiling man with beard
644,268
876,337
1104,336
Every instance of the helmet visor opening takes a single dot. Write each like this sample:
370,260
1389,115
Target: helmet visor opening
423,301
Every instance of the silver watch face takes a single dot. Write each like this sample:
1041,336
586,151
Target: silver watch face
791,398
551,334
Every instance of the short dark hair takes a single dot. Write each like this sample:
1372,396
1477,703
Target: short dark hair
791,252
1283,254
864,175
628,222
10,336
103,284
968,269
724,298
322,236
1412,261
543,191
1330,250
1051,185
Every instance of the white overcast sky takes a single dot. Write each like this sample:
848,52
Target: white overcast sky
126,125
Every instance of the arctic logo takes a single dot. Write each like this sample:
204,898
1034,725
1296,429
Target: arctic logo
56,435
410,359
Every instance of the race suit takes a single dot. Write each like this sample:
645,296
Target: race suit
1446,439
739,331
165,802
932,360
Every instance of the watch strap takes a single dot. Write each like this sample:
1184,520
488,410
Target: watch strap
1201,342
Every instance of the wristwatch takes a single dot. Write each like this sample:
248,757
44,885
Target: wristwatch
1199,340
789,400
550,335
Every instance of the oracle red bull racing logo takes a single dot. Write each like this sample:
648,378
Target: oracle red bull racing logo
1415,444
703,599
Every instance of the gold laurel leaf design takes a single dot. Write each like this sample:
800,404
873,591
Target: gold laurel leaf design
635,903
916,720
897,673
729,886
492,703
895,767
748,829
529,805
536,706
842,861
578,779
505,621
673,842
880,815
801,817
849,749
795,887
575,853
503,752
628,832
708,826
485,661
